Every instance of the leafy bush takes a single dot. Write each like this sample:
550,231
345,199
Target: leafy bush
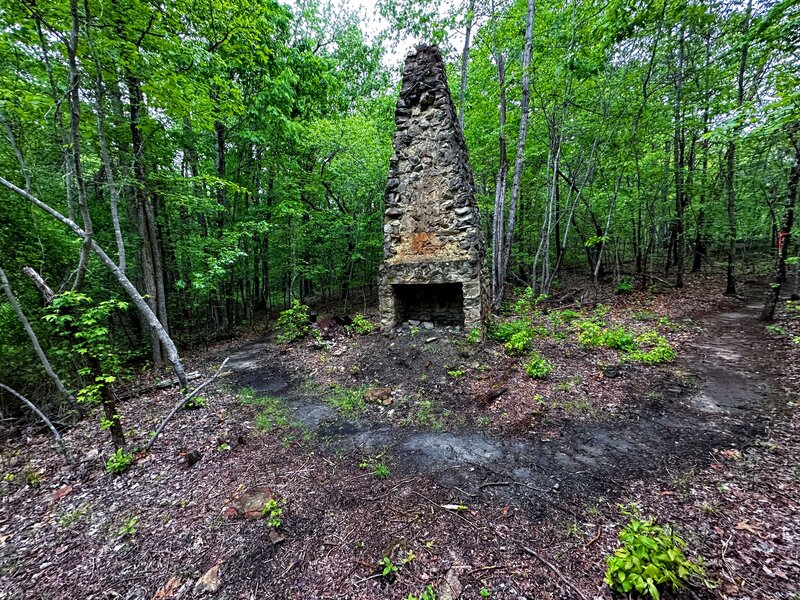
502,332
617,338
567,315
360,326
538,367
590,334
120,461
651,556
519,342
654,349
474,336
293,323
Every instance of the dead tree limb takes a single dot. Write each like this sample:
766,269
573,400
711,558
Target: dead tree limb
181,403
45,420
12,299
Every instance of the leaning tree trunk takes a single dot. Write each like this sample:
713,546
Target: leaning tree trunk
771,301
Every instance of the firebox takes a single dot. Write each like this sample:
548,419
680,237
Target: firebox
440,303
433,249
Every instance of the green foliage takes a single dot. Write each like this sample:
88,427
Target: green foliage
654,349
129,528
293,323
456,373
538,367
474,336
427,594
625,286
590,333
617,338
195,403
347,400
360,325
651,558
272,511
120,461
386,567
273,412
484,593
519,342
380,470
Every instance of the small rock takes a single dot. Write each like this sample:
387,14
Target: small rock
451,588
427,325
249,504
209,582
379,395
413,322
64,490
431,339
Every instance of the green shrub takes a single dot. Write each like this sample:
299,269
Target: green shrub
567,315
502,332
651,557
272,511
120,461
538,367
617,338
360,326
293,323
654,349
590,334
427,594
519,342
474,336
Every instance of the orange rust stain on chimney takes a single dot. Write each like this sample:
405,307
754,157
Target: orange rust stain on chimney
424,243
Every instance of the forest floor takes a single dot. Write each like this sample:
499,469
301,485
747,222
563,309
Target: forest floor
441,460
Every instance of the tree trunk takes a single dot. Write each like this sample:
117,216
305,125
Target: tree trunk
499,192
784,237
462,89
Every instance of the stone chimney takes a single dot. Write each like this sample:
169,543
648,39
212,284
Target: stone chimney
433,250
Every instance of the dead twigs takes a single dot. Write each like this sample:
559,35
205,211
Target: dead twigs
182,402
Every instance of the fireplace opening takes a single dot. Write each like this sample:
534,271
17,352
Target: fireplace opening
441,303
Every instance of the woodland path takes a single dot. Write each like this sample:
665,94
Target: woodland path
673,429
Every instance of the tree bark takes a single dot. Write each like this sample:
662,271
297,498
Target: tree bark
462,89
43,417
784,237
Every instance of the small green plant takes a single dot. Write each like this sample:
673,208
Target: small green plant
625,286
272,511
32,477
776,330
651,557
195,403
223,446
617,338
129,528
347,400
456,373
360,326
567,315
414,330
120,461
474,336
484,593
590,333
427,594
386,567
380,470
538,367
293,323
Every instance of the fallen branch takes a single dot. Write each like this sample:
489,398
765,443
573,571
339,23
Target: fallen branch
181,403
41,415
566,581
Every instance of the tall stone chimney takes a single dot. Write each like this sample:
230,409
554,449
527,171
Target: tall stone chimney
433,250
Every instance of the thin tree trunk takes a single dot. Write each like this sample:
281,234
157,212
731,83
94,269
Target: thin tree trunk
499,192
519,158
75,140
462,89
730,160
784,237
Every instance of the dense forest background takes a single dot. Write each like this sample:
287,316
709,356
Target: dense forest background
219,159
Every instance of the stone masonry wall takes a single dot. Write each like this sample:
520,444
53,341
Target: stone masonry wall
431,227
